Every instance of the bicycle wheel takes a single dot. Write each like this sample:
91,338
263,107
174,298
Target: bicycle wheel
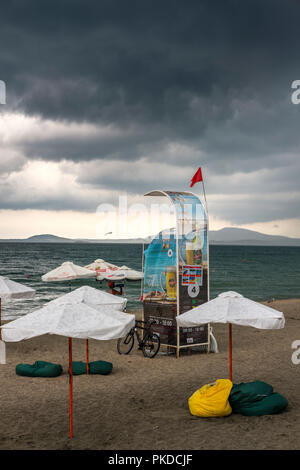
125,345
151,345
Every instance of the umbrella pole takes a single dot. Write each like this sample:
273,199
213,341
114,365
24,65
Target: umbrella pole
230,351
0,321
70,390
87,357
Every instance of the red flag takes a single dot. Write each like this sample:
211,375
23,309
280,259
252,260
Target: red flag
197,177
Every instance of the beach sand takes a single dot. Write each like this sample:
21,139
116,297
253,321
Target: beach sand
143,404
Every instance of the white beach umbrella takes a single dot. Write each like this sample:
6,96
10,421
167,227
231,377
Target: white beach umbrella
95,298
10,290
101,265
112,276
91,296
231,307
77,320
111,272
102,268
14,290
68,271
120,274
131,274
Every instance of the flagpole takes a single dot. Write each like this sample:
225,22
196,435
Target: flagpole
204,194
205,197
197,178
208,283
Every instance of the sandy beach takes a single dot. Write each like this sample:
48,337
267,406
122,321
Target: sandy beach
143,403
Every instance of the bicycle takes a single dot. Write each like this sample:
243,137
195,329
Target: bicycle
150,343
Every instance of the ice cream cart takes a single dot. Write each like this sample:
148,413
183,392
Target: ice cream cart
176,272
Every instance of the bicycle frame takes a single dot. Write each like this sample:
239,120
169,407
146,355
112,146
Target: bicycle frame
145,341
146,330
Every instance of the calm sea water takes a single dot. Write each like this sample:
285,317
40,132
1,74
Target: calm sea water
257,272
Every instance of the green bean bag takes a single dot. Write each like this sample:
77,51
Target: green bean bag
39,369
78,368
96,367
256,399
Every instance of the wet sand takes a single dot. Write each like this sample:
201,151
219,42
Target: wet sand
143,403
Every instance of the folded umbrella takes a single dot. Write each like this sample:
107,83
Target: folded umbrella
10,290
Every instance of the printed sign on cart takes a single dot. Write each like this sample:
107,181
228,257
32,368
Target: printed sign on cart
192,275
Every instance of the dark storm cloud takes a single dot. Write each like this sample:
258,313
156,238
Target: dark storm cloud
211,76
116,61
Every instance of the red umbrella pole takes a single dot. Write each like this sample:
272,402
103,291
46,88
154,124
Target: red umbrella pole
230,351
87,357
70,390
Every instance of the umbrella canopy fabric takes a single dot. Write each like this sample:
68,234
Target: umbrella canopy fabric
93,297
231,307
111,272
14,290
11,290
101,265
131,274
72,320
68,271
116,275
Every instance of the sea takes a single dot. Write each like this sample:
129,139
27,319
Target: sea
260,273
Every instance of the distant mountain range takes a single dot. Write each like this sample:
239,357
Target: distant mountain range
241,236
225,236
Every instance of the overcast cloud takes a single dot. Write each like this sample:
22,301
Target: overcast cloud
113,97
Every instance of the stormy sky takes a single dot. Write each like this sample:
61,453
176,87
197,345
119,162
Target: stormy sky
113,97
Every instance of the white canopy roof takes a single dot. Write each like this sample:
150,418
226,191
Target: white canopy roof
101,265
231,307
121,274
131,274
111,272
71,320
68,271
91,296
14,290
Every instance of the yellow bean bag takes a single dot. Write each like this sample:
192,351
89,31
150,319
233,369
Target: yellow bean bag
211,400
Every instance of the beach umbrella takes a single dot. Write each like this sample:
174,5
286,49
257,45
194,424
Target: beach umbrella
10,290
129,274
111,272
77,320
95,298
101,265
232,308
102,268
120,274
91,296
69,271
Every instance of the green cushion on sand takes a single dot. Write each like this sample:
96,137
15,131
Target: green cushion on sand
96,367
100,367
256,399
39,369
78,368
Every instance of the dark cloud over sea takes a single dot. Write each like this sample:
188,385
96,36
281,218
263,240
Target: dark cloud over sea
134,95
